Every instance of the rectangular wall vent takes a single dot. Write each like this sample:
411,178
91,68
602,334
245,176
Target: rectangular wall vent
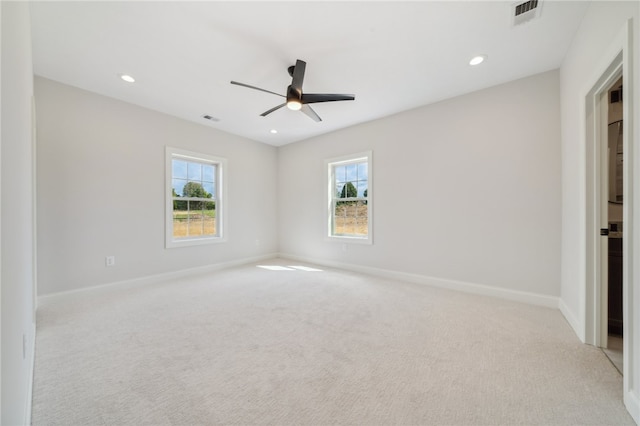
522,12
525,7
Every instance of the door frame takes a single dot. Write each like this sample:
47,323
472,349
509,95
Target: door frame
599,199
597,218
617,62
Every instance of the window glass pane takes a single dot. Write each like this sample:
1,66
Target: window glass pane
352,172
209,218
178,187
179,169
209,188
350,218
363,171
179,206
180,219
196,223
339,190
339,222
341,174
361,218
208,173
362,187
195,171
195,207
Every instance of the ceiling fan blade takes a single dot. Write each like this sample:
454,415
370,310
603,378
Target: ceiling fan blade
311,113
264,114
298,75
256,88
312,98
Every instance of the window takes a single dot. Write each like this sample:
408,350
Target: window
195,203
349,198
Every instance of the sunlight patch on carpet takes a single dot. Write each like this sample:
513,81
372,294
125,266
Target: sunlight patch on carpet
289,268
275,268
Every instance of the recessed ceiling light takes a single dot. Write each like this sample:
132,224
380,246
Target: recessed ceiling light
127,78
273,131
477,60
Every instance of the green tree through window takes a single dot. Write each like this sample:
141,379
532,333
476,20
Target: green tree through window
349,191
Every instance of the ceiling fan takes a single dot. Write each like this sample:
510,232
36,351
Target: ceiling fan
296,100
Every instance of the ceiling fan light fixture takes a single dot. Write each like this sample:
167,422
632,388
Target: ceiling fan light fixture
294,105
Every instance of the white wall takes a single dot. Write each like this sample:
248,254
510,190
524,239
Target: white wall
585,62
101,190
467,189
17,280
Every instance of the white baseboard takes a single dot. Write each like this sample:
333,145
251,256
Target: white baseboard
32,366
572,320
480,289
467,287
149,279
632,403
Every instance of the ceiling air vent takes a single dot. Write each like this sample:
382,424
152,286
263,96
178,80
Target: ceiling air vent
525,12
210,117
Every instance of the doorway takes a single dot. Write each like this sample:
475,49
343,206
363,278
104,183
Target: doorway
612,151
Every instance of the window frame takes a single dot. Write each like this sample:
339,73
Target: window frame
220,190
330,198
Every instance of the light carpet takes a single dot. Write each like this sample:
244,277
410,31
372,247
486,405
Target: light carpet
289,346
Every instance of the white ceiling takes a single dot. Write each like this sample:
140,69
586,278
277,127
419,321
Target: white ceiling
393,56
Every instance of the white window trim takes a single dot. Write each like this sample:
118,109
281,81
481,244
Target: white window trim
346,159
221,200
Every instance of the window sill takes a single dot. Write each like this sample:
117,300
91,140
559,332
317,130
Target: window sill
189,242
351,240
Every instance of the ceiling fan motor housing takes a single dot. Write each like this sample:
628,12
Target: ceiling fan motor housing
294,95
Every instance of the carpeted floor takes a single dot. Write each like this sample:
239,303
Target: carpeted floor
292,346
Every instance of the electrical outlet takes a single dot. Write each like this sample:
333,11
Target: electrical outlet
110,261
